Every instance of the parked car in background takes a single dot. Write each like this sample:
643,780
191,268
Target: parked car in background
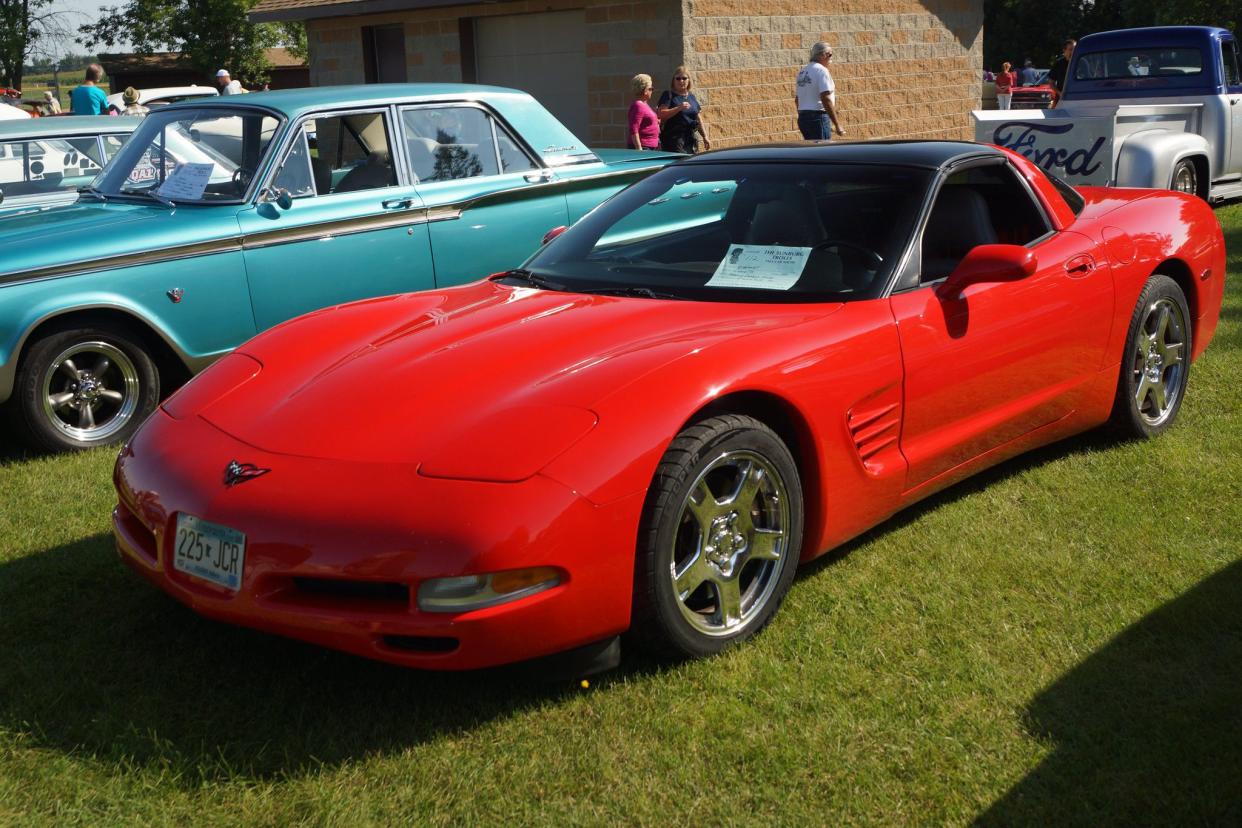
8,112
43,161
163,95
227,215
1038,95
728,369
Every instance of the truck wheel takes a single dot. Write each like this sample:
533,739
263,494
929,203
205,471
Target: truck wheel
83,388
1185,178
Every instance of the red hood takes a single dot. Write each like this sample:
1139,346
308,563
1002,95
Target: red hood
392,379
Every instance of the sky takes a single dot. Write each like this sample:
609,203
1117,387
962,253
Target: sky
79,12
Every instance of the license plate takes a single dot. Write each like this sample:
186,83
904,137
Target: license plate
209,551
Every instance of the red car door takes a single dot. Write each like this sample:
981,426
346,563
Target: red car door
1004,358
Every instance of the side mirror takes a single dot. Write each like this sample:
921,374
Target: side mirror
988,263
279,195
553,233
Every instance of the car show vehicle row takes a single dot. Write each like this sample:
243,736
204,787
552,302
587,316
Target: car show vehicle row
729,368
224,216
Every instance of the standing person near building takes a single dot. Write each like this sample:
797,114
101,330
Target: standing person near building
51,104
815,94
226,85
1029,74
681,119
1005,82
89,99
131,97
1056,77
644,124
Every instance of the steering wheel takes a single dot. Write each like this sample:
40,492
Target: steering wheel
872,260
242,176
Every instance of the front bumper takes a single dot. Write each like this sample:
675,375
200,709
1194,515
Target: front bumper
335,551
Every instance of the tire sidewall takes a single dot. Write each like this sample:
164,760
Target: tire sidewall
752,436
27,403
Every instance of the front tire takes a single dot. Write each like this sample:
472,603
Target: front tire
1155,365
719,540
1185,178
82,388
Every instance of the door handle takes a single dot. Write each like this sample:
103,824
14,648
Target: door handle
538,177
1080,266
398,203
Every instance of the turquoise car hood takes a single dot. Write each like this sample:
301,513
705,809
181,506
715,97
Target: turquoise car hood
90,231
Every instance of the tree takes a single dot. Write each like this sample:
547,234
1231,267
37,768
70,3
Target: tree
25,25
212,34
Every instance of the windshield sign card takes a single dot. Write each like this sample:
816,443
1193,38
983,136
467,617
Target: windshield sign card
763,266
187,182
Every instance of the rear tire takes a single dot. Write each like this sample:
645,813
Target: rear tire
719,540
1155,365
82,388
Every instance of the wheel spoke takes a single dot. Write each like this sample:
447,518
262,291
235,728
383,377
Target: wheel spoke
1159,397
691,577
764,545
86,417
728,601
60,400
1170,352
67,367
1140,395
1162,325
115,396
103,365
703,506
749,481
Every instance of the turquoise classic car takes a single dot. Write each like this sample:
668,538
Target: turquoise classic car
223,217
43,161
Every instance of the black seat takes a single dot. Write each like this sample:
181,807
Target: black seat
959,222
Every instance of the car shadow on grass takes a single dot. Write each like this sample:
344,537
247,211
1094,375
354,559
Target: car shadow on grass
1147,730
99,663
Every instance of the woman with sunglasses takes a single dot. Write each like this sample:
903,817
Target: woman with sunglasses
681,118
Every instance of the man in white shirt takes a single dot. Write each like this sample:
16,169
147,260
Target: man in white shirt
227,86
816,97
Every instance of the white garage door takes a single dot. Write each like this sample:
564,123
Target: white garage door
542,54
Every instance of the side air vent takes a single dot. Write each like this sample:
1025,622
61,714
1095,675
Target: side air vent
873,430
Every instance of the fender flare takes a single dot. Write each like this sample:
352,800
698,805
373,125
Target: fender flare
1147,158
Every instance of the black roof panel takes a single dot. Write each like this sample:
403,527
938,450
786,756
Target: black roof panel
931,154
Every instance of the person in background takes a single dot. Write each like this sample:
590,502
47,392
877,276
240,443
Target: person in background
1029,74
815,94
51,104
89,99
681,120
1005,82
132,107
1056,77
644,124
226,85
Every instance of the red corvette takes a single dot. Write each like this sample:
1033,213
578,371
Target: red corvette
729,368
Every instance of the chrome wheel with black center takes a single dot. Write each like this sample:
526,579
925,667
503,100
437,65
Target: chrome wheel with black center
83,388
720,540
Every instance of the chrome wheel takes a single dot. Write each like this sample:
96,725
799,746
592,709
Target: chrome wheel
731,544
90,391
1158,361
1185,180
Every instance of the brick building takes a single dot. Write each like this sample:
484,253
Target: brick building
904,68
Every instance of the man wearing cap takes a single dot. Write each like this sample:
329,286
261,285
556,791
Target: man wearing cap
816,96
227,86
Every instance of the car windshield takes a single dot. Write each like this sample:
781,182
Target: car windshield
755,232
191,156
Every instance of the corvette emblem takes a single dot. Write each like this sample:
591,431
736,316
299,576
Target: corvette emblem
235,472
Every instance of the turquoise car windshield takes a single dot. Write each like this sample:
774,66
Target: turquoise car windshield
767,232
192,156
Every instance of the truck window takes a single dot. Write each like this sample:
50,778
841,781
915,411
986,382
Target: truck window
1160,61
1229,62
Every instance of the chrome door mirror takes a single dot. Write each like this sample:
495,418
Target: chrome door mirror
279,195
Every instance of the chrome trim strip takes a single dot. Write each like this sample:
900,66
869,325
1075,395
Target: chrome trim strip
184,251
335,227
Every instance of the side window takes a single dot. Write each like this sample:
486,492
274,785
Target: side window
112,145
982,205
86,155
1229,62
446,143
345,153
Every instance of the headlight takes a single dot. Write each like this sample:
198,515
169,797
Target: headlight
471,592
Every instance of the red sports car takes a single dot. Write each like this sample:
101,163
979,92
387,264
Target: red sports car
727,369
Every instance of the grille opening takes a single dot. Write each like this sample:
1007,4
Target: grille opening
385,591
420,643
142,540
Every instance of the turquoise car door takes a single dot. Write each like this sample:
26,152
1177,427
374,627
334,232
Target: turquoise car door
489,202
339,220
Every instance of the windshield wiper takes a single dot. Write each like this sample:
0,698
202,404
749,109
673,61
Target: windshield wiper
92,191
523,275
167,202
631,290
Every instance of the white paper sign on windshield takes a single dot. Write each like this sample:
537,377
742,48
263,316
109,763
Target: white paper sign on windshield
187,182
765,266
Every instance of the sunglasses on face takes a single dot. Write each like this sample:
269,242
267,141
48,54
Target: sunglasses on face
680,77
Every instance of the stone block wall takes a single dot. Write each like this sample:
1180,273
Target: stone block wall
903,68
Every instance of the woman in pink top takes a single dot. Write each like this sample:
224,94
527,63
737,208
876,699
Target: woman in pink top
644,123
1006,80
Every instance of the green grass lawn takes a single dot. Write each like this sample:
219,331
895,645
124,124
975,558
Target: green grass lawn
1058,641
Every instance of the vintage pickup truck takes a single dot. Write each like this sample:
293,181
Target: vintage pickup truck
224,216
1155,107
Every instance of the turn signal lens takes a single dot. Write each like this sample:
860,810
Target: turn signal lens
471,592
